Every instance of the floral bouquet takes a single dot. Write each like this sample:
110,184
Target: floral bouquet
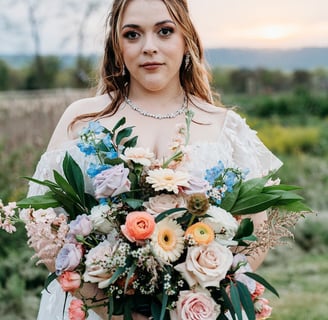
152,236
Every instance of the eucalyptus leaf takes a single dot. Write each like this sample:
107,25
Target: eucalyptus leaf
133,203
246,300
261,280
166,213
235,299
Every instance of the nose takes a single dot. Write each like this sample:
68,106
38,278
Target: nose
149,46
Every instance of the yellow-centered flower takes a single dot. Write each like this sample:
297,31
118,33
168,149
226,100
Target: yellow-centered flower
201,232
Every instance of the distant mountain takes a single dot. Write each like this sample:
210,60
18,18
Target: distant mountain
291,59
283,59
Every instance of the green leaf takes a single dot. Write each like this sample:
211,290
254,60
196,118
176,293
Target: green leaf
74,175
166,213
129,275
116,275
254,204
253,186
235,299
283,187
124,133
46,183
230,198
119,124
39,202
110,306
245,229
131,142
227,303
297,206
261,280
133,203
246,300
66,187
49,279
165,299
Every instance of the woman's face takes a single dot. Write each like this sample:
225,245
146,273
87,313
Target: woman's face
152,45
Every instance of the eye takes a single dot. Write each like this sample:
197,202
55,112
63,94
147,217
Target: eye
166,31
131,35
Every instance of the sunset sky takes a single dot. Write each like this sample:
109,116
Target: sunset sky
233,23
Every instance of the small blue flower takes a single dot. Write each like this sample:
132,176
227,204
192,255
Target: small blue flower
96,127
230,180
107,141
86,148
95,169
112,154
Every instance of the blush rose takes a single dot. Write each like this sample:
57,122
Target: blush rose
206,265
195,305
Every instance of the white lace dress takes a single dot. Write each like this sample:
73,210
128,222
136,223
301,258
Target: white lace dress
237,145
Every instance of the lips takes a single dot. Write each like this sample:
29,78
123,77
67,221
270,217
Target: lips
151,65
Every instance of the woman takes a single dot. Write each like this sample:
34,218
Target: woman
152,72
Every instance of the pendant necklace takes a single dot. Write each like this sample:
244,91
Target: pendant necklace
158,116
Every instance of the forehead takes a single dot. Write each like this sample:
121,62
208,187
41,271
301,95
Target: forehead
143,12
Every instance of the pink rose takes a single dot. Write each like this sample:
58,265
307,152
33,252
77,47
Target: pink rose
206,265
139,225
195,305
262,309
69,281
76,310
163,202
259,290
112,181
68,258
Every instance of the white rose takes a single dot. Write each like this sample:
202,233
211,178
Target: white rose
206,265
99,218
95,270
223,223
195,305
163,202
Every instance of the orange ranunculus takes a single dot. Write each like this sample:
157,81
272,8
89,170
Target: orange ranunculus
201,232
76,310
139,225
69,281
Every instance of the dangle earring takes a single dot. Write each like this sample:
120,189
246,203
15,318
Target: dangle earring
123,70
187,59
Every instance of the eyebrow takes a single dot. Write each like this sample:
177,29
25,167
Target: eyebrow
131,25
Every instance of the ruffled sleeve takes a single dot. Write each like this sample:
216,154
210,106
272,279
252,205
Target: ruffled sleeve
247,150
52,160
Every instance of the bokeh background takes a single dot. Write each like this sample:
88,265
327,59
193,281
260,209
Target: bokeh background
269,59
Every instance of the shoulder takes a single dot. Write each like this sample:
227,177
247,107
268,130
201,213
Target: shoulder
206,113
61,133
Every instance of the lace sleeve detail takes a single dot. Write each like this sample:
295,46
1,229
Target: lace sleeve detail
248,151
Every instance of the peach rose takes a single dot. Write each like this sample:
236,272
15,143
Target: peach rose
195,305
76,310
139,225
262,309
69,281
206,265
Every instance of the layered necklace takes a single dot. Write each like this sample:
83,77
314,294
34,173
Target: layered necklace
159,116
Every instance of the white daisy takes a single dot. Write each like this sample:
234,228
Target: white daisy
168,179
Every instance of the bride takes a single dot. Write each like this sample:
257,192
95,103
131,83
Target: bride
152,72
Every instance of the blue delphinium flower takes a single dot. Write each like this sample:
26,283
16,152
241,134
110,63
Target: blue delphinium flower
86,148
212,174
95,169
